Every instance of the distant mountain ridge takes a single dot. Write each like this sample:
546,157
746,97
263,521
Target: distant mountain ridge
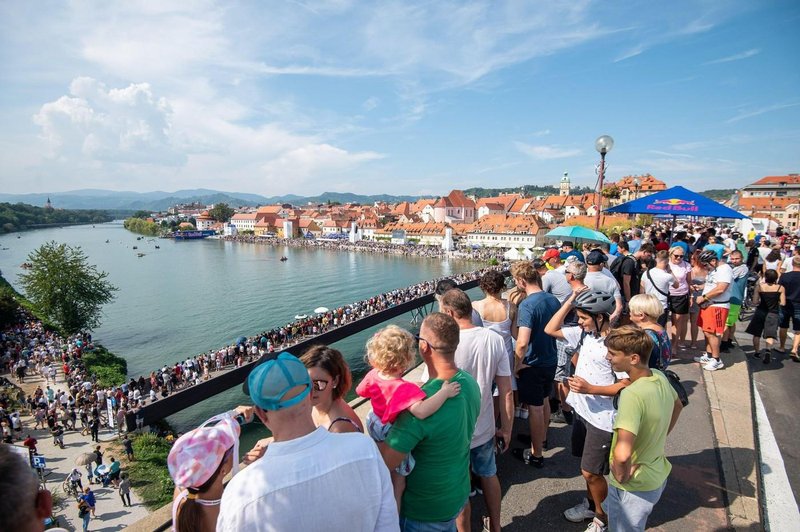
160,201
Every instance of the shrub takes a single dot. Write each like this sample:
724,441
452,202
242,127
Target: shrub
149,475
110,369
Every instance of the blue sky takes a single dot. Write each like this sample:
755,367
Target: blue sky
394,97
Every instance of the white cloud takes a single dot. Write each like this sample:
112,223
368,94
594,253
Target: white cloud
544,153
118,125
371,103
320,161
757,112
735,57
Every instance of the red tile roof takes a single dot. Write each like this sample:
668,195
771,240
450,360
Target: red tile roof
791,179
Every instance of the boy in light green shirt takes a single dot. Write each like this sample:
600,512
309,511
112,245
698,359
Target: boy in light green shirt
648,410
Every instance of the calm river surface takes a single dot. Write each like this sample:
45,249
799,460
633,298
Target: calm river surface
191,296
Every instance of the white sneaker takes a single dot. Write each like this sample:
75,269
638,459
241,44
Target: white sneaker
517,412
597,526
714,365
579,513
703,359
523,413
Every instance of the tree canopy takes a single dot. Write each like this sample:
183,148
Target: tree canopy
221,212
20,216
64,288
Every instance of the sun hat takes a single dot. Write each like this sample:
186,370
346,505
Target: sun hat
270,381
550,253
196,455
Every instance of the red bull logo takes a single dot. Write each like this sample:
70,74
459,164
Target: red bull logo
674,202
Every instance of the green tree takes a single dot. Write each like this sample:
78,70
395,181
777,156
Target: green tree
141,214
221,212
64,288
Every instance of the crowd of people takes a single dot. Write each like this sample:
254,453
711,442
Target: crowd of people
583,338
375,246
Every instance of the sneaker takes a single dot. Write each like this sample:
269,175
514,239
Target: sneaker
523,413
703,359
597,526
527,457
558,417
579,513
568,416
714,365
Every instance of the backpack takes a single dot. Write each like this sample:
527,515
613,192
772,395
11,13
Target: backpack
616,268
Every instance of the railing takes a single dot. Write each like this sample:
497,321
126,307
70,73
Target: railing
225,380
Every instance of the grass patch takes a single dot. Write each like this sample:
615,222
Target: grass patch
110,369
148,473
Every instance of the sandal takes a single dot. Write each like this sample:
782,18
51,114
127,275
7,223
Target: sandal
487,524
794,356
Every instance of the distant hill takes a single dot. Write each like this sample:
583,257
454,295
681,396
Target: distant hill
719,194
161,201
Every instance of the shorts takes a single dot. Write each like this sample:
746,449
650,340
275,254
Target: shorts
678,304
764,324
733,315
535,384
592,445
564,352
629,510
791,312
378,430
712,320
481,459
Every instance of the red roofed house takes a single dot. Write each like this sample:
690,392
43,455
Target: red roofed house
776,197
454,208
508,231
633,187
204,221
244,221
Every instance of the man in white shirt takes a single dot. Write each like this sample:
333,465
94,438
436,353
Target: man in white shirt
308,478
657,281
481,353
714,307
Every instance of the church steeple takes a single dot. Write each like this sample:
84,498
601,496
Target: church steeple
48,205
563,189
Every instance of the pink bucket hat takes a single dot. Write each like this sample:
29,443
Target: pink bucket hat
196,455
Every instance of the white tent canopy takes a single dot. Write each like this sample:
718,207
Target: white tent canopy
512,254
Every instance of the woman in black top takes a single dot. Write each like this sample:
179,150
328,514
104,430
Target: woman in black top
768,297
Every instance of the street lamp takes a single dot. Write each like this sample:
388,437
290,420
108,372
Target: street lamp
769,221
603,145
637,184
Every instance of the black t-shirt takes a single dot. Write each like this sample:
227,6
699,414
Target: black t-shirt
791,283
631,267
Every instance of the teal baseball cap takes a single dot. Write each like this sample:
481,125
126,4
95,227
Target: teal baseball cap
270,381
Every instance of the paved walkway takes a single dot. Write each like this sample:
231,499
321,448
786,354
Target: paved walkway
110,513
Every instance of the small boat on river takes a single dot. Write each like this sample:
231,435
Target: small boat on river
284,259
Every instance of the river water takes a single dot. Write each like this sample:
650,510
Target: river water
191,296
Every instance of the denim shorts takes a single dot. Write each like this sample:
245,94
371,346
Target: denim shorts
481,459
790,312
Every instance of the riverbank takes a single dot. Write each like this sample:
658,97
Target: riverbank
369,246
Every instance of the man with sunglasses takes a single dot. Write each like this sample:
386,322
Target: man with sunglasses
438,487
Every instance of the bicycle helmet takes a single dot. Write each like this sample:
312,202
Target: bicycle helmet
595,302
707,256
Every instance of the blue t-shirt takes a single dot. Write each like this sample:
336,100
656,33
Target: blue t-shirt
574,253
719,249
634,245
612,249
738,285
534,313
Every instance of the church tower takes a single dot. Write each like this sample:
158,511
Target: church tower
48,205
563,189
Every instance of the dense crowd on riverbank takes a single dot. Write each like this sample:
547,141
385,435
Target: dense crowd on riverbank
369,246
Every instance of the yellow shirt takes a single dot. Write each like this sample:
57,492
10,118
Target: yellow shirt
645,409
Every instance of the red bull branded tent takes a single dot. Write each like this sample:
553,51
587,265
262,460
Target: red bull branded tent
676,201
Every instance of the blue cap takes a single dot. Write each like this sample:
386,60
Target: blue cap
269,382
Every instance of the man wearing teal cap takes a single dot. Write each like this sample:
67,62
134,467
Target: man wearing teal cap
308,478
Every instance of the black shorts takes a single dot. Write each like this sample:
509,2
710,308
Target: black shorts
790,313
678,304
764,324
534,384
592,445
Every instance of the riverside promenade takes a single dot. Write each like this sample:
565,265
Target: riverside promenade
714,481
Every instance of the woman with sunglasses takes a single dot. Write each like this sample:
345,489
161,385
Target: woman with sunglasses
331,380
678,301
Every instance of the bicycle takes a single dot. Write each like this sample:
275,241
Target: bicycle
70,488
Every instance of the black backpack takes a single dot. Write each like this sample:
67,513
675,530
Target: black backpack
616,268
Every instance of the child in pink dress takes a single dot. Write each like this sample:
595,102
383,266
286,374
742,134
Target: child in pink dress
390,352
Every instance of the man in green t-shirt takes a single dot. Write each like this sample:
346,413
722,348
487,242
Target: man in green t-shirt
438,487
648,410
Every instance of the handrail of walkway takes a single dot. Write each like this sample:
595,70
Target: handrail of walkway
227,379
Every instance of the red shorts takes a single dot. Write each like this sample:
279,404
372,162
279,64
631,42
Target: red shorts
712,320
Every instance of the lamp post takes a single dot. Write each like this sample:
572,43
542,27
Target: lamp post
769,220
637,184
603,145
